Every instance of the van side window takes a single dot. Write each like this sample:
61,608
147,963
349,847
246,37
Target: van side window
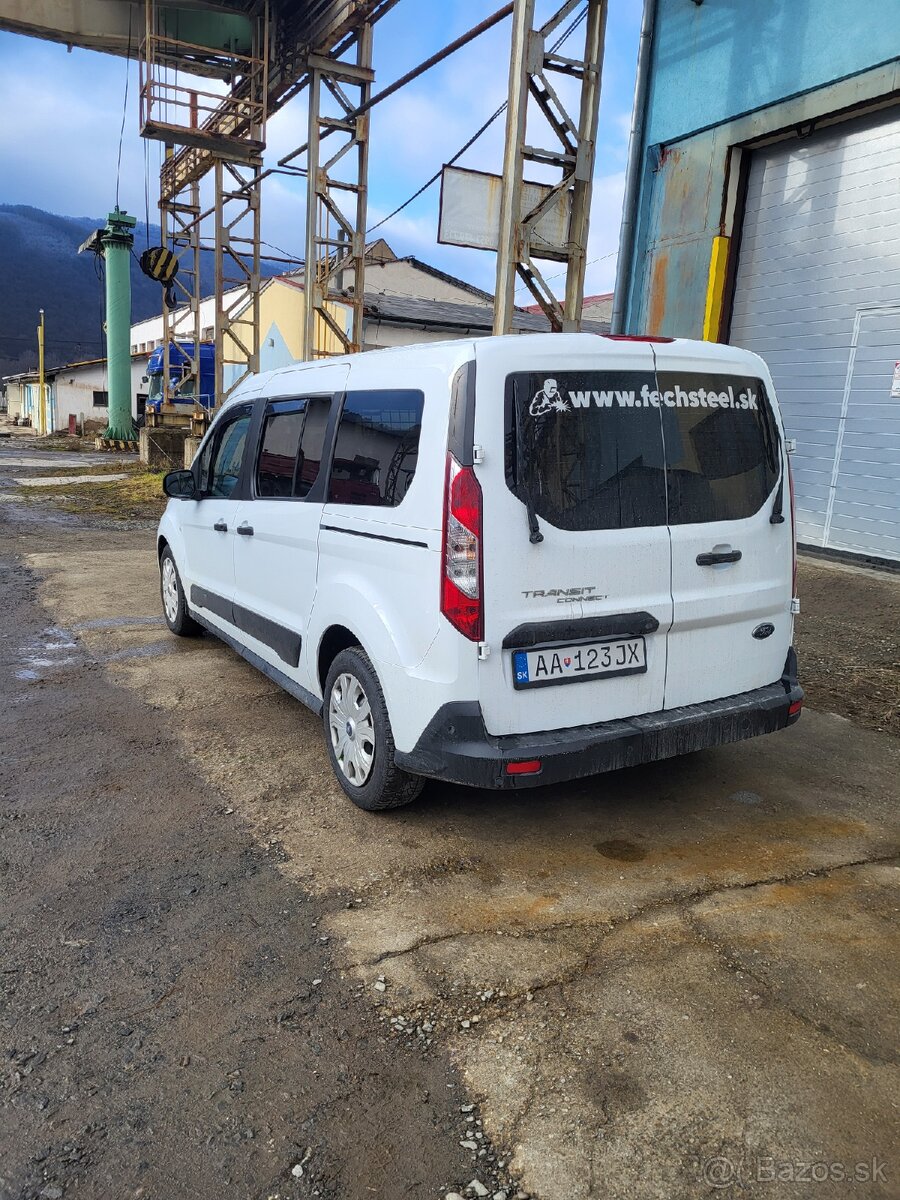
312,442
377,447
280,442
228,453
290,452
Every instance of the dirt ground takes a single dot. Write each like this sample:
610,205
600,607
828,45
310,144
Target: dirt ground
848,642
677,981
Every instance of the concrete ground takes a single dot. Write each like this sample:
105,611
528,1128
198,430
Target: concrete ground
675,981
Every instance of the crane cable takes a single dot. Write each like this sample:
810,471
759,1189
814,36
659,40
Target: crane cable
475,136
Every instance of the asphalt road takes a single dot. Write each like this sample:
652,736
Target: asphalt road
675,981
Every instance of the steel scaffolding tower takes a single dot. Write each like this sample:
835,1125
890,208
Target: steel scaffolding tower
532,66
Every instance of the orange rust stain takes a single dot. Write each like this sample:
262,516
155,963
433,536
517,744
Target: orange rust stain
657,308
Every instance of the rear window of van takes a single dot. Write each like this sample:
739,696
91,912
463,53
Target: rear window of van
621,450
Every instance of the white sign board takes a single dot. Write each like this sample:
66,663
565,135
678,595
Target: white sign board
895,383
470,212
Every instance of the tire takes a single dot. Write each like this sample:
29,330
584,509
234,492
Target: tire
174,604
358,736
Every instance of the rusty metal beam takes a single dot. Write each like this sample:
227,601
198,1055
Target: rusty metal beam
532,63
335,240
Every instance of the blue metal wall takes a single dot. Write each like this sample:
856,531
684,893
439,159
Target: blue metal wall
723,72
723,58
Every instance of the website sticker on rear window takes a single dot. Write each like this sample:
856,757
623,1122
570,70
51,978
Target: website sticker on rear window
550,399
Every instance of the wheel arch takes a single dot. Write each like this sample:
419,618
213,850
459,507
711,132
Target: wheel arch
333,640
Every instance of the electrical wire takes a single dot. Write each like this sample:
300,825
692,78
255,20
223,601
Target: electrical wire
559,274
474,138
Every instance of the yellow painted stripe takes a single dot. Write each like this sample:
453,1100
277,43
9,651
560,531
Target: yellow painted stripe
715,289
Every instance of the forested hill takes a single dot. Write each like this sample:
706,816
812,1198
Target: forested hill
41,268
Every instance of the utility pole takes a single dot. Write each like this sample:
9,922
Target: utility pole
39,407
533,66
117,240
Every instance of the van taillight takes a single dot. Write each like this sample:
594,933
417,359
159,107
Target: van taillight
793,529
462,575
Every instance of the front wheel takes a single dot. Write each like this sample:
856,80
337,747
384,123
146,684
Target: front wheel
175,609
359,738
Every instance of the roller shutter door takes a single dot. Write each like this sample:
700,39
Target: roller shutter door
818,296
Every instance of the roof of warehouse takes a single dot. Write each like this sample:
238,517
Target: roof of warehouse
405,310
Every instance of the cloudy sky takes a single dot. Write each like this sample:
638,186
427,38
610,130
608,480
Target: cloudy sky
63,111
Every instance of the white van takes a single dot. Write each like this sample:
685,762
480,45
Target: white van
503,562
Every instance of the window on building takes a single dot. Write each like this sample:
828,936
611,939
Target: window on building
377,447
290,453
101,399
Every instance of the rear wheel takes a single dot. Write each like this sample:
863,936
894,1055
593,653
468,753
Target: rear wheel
175,609
359,738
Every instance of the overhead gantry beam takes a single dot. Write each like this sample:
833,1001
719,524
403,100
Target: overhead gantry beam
533,64
117,27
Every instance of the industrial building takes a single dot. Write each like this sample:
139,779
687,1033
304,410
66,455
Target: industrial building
407,302
761,209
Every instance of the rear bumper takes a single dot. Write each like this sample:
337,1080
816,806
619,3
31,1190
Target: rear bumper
456,747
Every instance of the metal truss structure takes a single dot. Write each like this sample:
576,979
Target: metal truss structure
226,133
335,242
265,52
532,68
325,45
237,212
180,225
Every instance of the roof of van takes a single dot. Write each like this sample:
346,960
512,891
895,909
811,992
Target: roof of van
451,353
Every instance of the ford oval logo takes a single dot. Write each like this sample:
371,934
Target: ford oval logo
763,631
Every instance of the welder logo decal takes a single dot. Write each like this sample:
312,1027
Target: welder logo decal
548,399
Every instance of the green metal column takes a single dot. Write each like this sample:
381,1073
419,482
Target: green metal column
117,240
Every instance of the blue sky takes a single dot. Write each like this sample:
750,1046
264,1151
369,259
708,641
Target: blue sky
63,110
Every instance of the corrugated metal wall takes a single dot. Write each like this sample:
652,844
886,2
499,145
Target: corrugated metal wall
818,296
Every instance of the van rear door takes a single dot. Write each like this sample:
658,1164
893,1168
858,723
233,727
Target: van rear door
575,623
729,522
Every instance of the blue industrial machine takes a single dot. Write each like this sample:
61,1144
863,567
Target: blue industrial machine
183,387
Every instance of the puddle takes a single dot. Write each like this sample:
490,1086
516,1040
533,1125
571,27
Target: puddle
149,651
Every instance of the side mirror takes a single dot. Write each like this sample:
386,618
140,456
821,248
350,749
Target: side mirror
180,485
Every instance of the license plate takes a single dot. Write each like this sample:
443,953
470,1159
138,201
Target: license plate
585,660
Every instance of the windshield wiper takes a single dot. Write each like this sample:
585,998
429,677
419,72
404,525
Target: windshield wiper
523,463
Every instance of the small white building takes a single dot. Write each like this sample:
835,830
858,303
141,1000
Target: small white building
80,390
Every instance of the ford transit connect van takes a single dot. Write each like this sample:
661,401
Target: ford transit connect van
503,562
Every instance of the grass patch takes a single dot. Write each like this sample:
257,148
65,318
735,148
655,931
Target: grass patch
139,496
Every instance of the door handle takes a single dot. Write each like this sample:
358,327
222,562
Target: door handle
245,530
712,558
220,527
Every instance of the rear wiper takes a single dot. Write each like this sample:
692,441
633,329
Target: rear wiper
534,530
